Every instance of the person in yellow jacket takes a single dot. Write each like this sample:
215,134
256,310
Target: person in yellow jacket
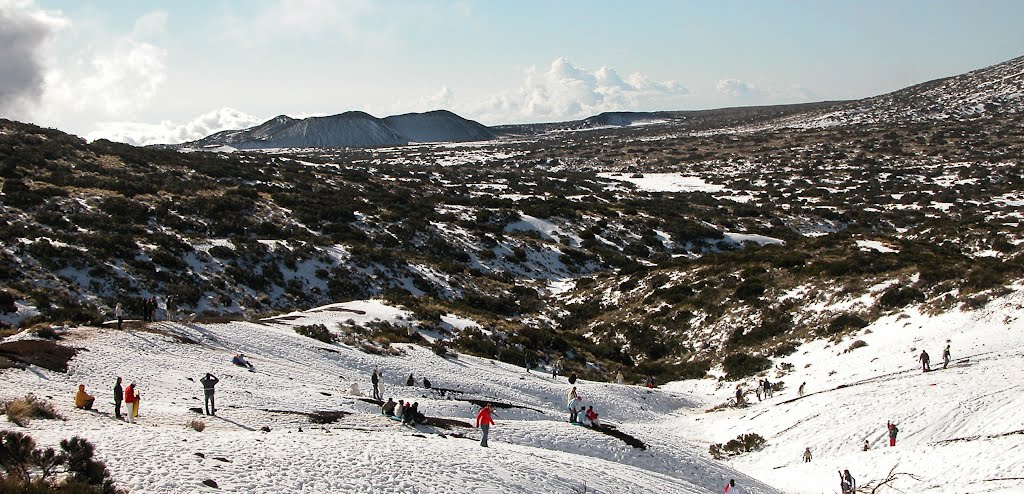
84,400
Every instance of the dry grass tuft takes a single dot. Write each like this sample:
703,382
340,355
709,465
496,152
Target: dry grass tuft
22,410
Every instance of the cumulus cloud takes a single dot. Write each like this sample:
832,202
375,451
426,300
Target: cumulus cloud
116,79
564,91
25,30
167,132
292,18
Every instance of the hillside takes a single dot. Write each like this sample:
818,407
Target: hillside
644,248
349,129
954,437
994,91
438,126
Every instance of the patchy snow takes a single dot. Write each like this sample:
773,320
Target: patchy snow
739,238
665,182
875,245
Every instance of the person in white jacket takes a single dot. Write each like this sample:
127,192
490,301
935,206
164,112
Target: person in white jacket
119,314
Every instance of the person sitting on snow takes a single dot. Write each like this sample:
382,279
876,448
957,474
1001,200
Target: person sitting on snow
84,400
388,408
592,417
400,409
239,360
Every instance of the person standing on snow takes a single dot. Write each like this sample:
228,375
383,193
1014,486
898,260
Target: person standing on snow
731,488
619,378
570,401
410,381
130,399
118,396
893,430
208,383
807,455
924,361
945,356
484,422
119,314
847,482
375,380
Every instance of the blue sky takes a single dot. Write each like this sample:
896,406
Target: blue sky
147,71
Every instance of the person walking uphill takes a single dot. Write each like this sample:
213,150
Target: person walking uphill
924,361
118,396
208,383
484,422
945,356
893,430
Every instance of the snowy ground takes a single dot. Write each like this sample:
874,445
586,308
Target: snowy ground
532,448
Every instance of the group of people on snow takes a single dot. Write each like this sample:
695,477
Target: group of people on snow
926,360
129,396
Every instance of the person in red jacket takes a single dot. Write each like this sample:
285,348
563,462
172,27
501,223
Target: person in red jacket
484,421
129,400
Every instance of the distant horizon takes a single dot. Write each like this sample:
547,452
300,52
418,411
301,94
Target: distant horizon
142,74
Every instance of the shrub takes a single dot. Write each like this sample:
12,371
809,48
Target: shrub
46,332
30,469
7,302
844,322
742,444
21,410
896,297
196,425
856,344
739,365
317,332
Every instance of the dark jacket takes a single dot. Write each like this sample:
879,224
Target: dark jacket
118,392
389,407
208,382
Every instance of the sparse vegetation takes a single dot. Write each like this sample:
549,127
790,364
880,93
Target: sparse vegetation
22,411
743,443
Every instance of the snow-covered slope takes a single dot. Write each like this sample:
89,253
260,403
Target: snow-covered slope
960,427
438,126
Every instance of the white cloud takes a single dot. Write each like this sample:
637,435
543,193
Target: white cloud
736,88
302,18
112,78
564,91
749,92
166,132
25,32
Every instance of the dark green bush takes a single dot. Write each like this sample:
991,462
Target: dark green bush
740,365
317,332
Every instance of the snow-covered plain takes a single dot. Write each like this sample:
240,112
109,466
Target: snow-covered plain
951,420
